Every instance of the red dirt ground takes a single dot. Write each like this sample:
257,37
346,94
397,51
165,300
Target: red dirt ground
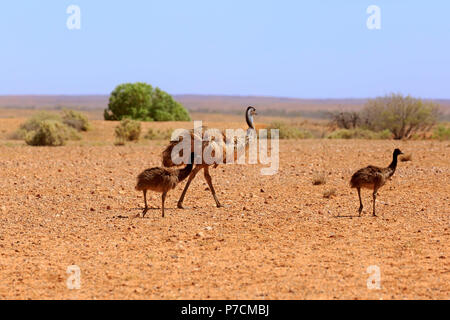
278,237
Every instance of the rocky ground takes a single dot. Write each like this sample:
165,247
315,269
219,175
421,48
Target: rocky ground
277,238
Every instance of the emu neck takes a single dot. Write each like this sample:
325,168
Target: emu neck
249,119
184,173
393,164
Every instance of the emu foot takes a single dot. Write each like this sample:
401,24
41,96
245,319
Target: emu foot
180,206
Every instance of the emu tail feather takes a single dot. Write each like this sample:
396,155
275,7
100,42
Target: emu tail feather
354,181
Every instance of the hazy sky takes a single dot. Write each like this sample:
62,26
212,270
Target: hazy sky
305,49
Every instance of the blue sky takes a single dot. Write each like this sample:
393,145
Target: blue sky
304,49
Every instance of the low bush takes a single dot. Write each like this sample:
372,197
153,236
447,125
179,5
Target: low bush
360,134
76,120
287,131
127,130
153,134
441,132
45,129
33,124
49,133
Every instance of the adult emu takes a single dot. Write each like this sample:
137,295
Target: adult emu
167,156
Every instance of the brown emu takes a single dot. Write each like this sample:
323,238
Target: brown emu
167,160
374,178
161,180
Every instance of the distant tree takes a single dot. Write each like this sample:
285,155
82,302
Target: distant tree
165,108
403,116
140,101
133,100
346,119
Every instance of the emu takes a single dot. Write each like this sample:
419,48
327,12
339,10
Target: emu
161,180
167,160
372,177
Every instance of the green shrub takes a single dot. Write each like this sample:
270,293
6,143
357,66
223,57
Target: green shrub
127,130
287,131
139,101
360,134
76,120
159,134
49,133
441,132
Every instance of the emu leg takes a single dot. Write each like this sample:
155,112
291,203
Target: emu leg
145,201
360,202
163,198
374,200
186,187
211,187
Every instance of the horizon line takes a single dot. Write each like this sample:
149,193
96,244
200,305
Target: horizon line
216,95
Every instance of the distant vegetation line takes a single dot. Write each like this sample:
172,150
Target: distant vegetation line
271,106
321,114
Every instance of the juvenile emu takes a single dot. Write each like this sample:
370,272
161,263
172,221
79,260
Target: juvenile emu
374,178
161,180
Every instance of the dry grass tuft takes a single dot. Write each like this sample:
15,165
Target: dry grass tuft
329,193
319,179
406,157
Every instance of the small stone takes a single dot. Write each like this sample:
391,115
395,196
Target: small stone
92,209
108,207
208,228
199,235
